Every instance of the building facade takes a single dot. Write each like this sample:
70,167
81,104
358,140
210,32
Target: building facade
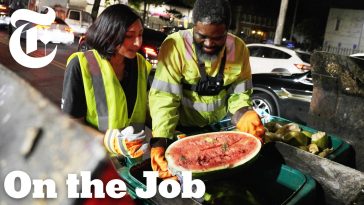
344,32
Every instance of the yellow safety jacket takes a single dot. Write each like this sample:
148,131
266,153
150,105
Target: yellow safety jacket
170,104
105,97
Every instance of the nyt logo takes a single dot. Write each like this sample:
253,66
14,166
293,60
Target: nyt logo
31,38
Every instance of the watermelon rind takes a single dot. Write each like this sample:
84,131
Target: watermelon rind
206,173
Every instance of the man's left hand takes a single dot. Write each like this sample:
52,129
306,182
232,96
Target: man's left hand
250,122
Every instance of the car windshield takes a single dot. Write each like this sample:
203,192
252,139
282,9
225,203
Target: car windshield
304,56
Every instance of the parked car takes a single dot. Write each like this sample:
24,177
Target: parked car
79,21
152,40
57,32
266,58
285,95
4,13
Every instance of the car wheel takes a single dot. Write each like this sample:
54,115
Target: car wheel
265,102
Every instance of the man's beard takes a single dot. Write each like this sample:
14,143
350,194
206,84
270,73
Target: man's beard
203,56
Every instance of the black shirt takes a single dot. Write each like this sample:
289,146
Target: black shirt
73,96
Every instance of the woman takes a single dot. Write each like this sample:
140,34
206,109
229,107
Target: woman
106,87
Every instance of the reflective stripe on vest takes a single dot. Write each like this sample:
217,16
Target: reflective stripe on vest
203,107
167,87
99,90
240,87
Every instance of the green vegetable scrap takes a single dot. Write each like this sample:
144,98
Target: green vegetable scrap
320,139
291,133
295,138
272,126
307,133
325,152
313,148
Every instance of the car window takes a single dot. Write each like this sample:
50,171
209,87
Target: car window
305,57
275,53
255,51
74,15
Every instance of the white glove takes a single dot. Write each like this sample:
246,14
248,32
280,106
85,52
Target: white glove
126,143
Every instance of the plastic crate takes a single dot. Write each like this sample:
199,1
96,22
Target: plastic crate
271,181
342,151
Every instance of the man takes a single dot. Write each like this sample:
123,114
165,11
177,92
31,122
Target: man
203,74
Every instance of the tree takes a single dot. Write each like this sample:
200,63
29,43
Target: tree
95,9
309,31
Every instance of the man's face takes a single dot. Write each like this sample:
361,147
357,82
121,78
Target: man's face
209,39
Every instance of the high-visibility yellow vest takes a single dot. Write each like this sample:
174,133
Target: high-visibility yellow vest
105,97
171,105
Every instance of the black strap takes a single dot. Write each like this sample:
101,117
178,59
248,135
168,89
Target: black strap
204,77
202,69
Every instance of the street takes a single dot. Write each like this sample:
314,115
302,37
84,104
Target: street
47,80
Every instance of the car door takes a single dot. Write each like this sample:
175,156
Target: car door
266,60
276,60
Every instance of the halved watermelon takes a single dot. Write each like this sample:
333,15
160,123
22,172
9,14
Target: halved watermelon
212,152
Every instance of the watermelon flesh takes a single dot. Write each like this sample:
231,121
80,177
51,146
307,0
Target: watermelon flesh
212,151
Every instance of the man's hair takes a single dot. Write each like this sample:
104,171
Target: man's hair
108,31
212,11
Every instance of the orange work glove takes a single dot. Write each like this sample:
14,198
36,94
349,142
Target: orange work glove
250,122
125,142
159,162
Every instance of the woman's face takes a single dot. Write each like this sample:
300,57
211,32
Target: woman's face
132,41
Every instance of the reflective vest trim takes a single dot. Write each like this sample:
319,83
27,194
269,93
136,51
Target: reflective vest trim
241,87
167,87
203,107
99,90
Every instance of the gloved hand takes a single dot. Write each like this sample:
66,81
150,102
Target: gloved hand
250,122
125,142
158,161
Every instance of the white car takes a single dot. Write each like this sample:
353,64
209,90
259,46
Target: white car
79,21
57,32
267,58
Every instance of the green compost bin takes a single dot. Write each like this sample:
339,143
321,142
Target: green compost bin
342,151
267,181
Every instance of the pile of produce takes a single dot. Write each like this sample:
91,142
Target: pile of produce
315,143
